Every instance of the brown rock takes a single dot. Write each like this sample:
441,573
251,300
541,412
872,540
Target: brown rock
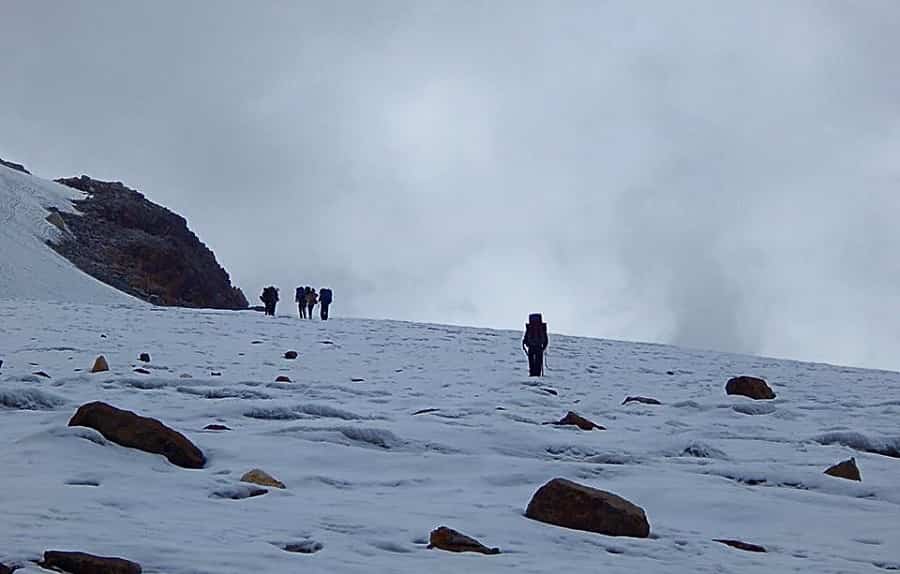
846,469
4,569
81,563
572,505
453,541
145,357
578,421
261,477
216,427
282,379
643,400
290,355
134,431
740,545
100,365
752,387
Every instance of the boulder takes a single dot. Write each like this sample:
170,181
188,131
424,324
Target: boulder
262,478
448,539
752,387
82,563
572,505
740,545
4,569
846,469
579,421
134,431
643,400
282,379
100,365
145,357
290,355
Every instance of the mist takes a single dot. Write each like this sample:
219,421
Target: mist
707,174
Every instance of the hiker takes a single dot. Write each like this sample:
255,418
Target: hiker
535,343
300,299
325,298
269,298
311,300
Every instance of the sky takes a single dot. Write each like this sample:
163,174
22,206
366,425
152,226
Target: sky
721,175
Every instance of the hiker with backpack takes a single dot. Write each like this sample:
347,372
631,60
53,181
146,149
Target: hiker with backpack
325,298
300,299
535,343
269,298
311,300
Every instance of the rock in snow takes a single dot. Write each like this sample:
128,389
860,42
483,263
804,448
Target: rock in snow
100,365
82,563
643,400
145,357
846,469
574,419
566,503
453,541
740,545
290,355
261,477
752,387
129,429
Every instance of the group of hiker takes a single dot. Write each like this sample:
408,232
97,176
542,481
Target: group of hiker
534,343
306,298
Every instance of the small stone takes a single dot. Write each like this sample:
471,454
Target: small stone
290,355
448,539
579,421
215,374
357,380
142,371
256,342
550,391
144,358
262,478
740,545
644,400
82,563
100,365
282,379
185,376
41,374
846,469
304,547
102,336
425,411
670,372
216,427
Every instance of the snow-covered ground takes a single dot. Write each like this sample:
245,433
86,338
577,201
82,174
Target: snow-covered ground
368,479
28,267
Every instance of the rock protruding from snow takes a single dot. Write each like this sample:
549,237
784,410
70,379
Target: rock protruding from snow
100,365
216,427
845,469
262,478
740,545
291,355
144,358
143,249
642,400
134,431
448,539
574,419
83,563
4,569
14,165
753,387
282,379
572,505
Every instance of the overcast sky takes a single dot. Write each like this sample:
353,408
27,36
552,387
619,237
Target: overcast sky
712,174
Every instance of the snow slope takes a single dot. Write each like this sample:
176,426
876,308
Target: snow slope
29,268
367,479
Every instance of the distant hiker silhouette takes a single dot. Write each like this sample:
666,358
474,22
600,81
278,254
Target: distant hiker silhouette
311,300
535,343
300,299
325,298
269,298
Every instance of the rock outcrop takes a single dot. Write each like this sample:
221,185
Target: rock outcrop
572,505
82,563
846,469
262,478
753,387
574,419
13,165
448,539
143,249
134,431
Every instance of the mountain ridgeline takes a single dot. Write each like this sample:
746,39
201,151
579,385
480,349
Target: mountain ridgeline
130,243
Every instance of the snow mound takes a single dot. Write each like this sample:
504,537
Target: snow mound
887,446
30,400
301,411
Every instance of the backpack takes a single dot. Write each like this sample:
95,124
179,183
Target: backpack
535,332
299,295
325,295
